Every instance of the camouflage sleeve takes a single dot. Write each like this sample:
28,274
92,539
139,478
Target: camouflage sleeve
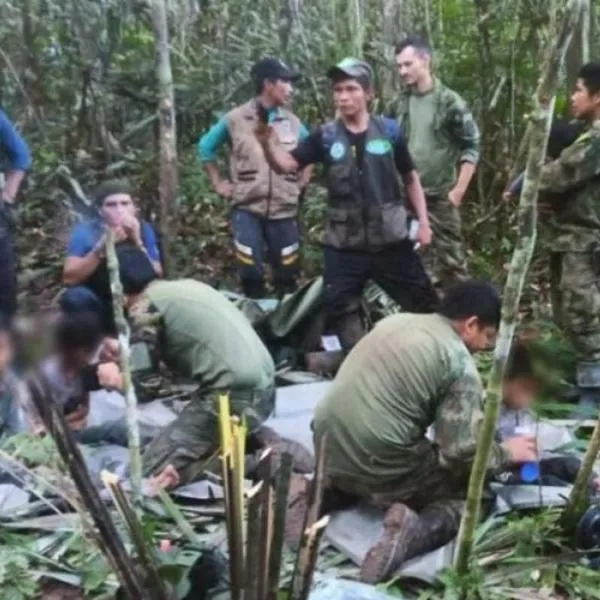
145,323
464,130
577,164
456,425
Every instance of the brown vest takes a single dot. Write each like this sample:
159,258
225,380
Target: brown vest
257,188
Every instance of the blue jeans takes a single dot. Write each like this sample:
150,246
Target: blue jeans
280,238
81,298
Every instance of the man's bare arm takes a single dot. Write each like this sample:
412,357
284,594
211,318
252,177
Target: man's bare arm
279,159
12,183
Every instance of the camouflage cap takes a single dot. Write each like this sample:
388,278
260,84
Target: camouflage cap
354,68
111,187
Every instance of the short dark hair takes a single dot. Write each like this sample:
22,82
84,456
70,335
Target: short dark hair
111,187
590,75
135,269
78,331
520,362
417,42
472,298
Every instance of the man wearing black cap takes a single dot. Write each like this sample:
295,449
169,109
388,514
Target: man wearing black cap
366,235
265,204
85,271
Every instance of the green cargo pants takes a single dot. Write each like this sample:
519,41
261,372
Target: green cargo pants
445,259
191,442
575,293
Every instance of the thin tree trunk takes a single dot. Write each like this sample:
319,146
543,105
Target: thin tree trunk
527,219
131,414
168,180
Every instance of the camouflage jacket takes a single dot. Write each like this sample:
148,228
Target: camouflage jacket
453,137
572,185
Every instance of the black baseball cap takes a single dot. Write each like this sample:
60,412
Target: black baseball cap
273,68
353,68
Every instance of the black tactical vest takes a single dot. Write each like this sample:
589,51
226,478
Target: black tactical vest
366,208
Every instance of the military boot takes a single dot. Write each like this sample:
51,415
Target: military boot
408,535
588,381
350,329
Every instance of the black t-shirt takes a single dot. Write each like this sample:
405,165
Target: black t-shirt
311,150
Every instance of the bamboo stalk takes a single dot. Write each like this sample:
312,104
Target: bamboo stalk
282,488
252,534
265,467
123,332
312,514
577,502
301,585
108,536
156,588
527,218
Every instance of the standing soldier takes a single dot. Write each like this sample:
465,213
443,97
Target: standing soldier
571,185
366,235
441,132
265,204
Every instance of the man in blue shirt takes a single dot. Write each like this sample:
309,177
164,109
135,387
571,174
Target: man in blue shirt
17,160
85,270
265,204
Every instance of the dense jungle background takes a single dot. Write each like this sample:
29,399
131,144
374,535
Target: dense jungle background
82,81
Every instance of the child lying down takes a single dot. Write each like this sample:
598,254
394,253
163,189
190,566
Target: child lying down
521,386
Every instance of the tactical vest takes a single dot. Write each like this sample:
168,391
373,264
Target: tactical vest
366,208
257,188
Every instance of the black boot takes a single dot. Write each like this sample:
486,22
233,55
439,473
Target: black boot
253,288
350,330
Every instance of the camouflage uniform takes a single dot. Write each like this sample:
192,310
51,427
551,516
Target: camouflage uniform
410,372
199,335
570,184
441,132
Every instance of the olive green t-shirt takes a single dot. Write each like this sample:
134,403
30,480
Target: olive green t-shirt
410,372
204,336
434,155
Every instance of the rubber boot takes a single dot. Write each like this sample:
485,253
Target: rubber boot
408,535
350,330
588,381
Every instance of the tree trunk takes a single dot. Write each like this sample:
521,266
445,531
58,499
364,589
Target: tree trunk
527,219
167,179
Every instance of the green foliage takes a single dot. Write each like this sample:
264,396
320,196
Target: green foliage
16,582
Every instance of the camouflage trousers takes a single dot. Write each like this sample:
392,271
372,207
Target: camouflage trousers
445,259
190,443
575,293
435,489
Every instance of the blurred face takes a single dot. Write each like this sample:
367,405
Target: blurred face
520,392
350,97
584,105
477,337
279,91
116,208
412,66
6,351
